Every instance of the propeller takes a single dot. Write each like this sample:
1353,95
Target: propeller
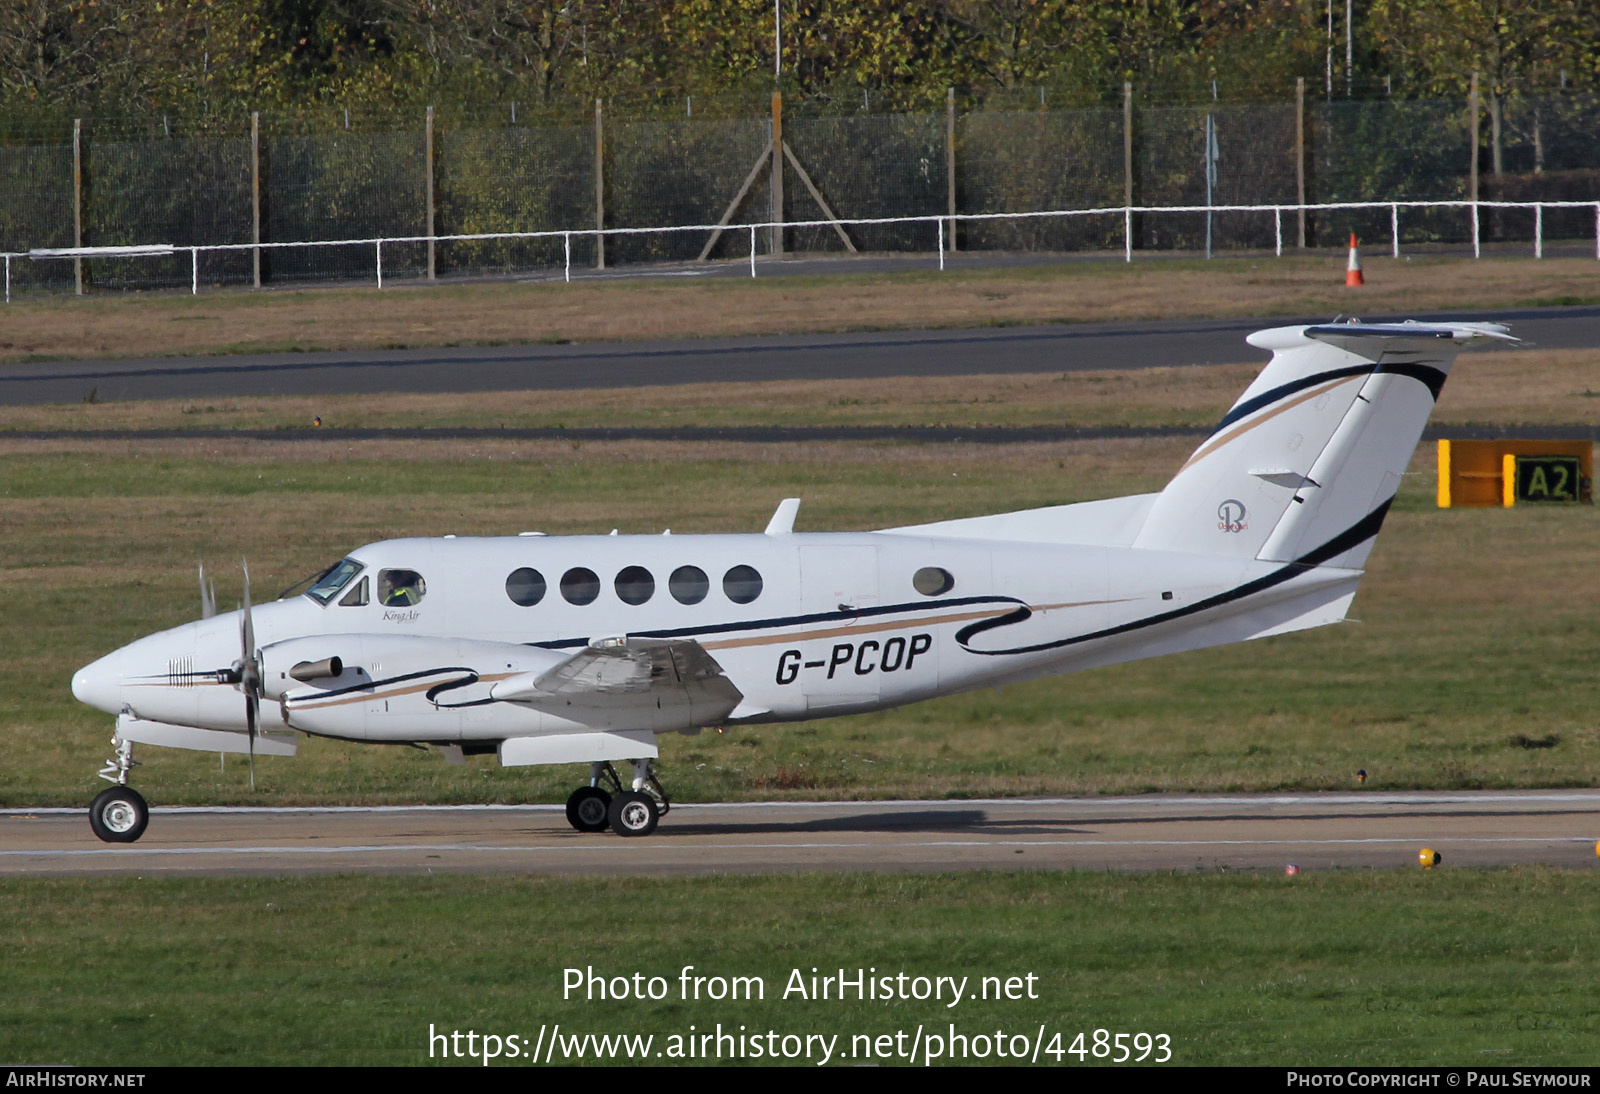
208,595
248,672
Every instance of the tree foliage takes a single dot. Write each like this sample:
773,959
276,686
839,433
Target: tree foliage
224,56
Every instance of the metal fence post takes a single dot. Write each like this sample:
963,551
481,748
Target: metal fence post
1300,156
1472,159
1127,166
77,202
777,172
428,156
599,189
255,198
950,158
1472,139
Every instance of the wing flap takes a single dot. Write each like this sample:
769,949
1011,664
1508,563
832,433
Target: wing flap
630,672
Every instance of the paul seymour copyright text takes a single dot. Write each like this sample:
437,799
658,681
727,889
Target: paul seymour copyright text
1464,1079
976,1037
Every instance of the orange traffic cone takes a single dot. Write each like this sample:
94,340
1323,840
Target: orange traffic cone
1352,271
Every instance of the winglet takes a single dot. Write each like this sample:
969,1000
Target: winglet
782,522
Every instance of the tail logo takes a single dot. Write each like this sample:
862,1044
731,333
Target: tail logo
1230,516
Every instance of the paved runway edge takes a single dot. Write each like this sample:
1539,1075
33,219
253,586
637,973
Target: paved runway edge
1148,833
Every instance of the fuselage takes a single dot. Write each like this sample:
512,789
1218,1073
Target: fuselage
804,625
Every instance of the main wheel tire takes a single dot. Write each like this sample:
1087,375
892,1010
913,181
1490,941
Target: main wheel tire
119,815
633,814
587,809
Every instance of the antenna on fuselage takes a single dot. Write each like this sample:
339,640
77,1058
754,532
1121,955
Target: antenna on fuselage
782,522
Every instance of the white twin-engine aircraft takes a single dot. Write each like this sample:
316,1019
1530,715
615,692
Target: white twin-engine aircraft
584,649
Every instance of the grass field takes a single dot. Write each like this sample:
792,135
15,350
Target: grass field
1472,665
1454,968
416,314
1524,387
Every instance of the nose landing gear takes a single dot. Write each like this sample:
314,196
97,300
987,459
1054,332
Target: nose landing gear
119,813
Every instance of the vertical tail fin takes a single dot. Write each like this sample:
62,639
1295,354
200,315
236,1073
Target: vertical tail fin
1305,464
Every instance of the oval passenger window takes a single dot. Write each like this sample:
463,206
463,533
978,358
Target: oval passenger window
525,586
742,584
579,586
933,581
689,584
635,585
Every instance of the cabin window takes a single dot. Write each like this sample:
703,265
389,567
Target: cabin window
525,586
635,585
580,586
742,584
334,579
933,581
400,588
689,584
357,597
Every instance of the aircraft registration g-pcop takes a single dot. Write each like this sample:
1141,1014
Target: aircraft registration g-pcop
585,649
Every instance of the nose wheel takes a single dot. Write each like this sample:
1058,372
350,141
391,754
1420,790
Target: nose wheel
119,814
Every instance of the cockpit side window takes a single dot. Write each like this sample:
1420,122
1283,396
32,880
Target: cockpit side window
357,596
328,586
400,588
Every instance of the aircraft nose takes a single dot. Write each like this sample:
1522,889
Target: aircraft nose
99,684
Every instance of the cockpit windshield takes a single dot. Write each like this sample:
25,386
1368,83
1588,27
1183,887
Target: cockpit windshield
331,581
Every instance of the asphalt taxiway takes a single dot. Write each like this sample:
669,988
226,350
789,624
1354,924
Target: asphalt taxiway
1326,831
856,355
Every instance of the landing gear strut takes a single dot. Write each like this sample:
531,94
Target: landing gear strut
626,811
119,813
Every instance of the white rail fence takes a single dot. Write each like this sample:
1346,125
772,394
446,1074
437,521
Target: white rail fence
940,224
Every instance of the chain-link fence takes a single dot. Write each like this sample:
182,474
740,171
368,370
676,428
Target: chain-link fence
36,189
504,180
320,181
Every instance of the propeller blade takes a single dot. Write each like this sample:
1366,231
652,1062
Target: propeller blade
252,715
208,595
247,631
249,672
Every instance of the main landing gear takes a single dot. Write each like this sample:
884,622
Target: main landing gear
119,813
630,812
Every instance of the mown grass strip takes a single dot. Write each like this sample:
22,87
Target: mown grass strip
1451,967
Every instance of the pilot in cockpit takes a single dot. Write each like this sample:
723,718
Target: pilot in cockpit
400,588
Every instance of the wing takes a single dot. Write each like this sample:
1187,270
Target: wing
630,672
